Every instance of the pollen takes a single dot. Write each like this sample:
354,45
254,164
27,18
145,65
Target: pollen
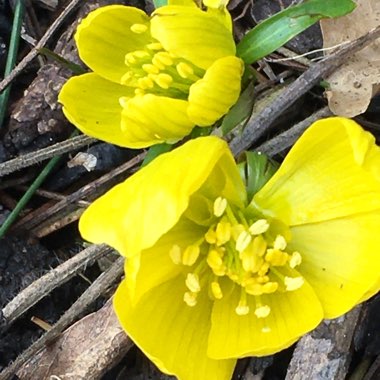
184,70
243,241
295,259
279,243
259,227
293,283
139,28
190,255
262,311
220,205
190,299
192,282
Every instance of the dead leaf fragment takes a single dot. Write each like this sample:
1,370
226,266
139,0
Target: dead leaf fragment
353,85
84,351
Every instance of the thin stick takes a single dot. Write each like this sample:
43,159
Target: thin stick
40,44
261,123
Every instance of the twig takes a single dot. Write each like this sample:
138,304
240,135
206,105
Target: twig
40,44
51,280
99,286
32,158
262,122
289,137
79,194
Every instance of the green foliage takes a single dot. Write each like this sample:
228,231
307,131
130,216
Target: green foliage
274,32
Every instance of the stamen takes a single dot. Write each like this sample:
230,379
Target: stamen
139,28
210,236
259,227
293,283
145,83
184,70
242,308
262,311
270,287
163,58
214,259
192,282
150,69
223,233
140,54
279,243
251,262
220,206
295,259
243,241
191,254
259,246
216,290
276,257
127,77
163,80
254,289
175,254
154,46
190,298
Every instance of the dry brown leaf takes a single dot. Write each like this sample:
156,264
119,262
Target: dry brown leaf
86,350
353,85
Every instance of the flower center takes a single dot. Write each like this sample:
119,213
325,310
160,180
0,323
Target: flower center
247,252
154,70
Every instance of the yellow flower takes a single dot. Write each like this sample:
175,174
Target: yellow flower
212,276
154,78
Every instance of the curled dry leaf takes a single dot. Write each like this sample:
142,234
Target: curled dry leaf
86,350
354,84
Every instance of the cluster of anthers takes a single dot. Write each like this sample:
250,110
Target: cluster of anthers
242,250
154,70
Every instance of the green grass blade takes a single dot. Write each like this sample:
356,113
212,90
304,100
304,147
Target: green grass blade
274,32
12,54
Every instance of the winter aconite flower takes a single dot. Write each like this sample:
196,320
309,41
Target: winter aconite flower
154,78
212,276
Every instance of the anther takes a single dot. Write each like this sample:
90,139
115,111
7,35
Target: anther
175,254
270,287
276,257
130,59
192,282
220,205
139,92
163,58
190,255
279,243
145,83
259,227
210,236
163,80
242,308
150,69
139,28
154,46
184,70
223,233
262,311
295,259
140,54
216,290
243,241
259,246
190,298
293,283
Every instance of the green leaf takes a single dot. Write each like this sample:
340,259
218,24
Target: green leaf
275,31
240,111
160,3
256,171
154,151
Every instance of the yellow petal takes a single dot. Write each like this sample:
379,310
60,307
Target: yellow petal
92,105
172,334
187,3
340,259
331,172
292,314
150,119
192,34
155,264
133,215
211,97
104,37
